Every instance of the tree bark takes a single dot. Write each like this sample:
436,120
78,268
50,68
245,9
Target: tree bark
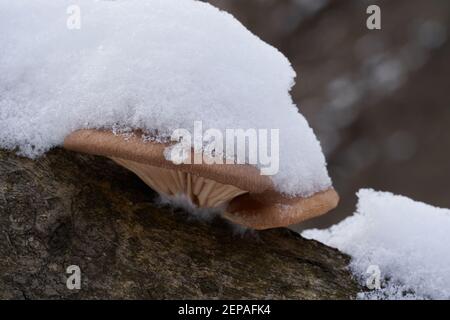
70,209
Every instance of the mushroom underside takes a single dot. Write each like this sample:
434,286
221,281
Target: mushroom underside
202,192
257,211
248,198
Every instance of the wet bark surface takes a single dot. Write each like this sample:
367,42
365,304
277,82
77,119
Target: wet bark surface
70,209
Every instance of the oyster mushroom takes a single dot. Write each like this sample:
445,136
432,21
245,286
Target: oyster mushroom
249,199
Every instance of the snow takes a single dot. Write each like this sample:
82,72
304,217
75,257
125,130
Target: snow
407,240
154,65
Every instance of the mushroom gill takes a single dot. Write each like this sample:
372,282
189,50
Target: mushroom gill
203,192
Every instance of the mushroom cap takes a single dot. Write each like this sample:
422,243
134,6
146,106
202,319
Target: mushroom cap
261,207
271,209
134,148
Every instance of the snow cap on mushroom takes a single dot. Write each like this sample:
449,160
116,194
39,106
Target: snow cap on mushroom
149,66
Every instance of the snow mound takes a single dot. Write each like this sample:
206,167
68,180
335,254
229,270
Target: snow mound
154,65
407,240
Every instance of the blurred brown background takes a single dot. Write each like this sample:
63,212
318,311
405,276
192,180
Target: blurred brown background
378,100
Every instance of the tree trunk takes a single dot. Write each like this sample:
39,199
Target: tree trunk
69,209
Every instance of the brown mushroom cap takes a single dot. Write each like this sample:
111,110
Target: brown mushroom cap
251,197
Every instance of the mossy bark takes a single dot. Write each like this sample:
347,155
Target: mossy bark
69,209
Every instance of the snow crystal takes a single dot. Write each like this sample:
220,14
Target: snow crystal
156,65
407,240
